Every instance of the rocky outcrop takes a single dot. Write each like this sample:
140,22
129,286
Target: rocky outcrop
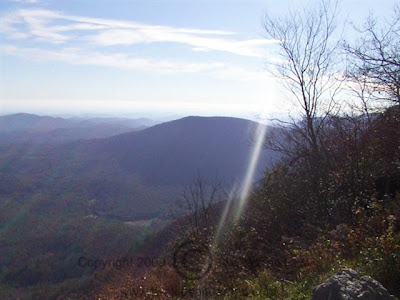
348,285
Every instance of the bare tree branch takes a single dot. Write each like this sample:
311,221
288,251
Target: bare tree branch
375,59
308,50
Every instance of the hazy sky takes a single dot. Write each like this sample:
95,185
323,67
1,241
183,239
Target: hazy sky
144,57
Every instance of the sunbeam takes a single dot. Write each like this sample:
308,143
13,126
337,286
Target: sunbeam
244,188
251,169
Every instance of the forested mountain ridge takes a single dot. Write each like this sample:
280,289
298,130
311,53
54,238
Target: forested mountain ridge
170,153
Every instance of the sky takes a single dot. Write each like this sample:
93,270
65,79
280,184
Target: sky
146,58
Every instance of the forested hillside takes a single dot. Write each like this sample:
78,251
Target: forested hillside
60,202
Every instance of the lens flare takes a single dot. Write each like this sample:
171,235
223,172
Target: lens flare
244,188
251,169
228,206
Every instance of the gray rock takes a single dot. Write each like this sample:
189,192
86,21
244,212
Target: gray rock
347,285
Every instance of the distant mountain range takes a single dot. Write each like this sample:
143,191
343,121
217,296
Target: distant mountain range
32,128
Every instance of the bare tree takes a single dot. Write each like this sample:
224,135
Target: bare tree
307,50
195,208
375,59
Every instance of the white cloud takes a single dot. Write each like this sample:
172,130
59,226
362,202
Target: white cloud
71,39
78,56
145,35
25,24
44,25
